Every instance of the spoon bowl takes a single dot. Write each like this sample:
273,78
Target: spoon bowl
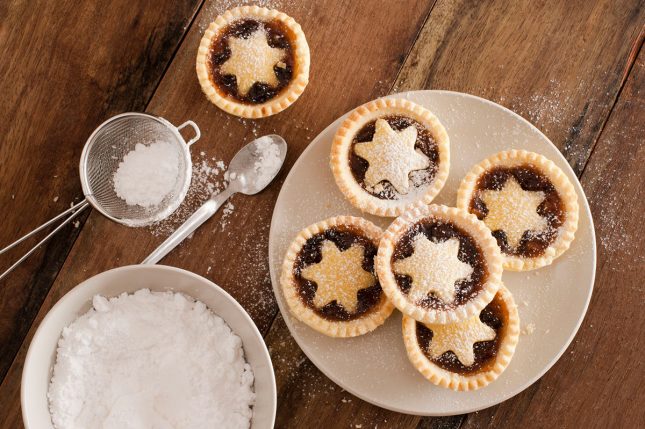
255,165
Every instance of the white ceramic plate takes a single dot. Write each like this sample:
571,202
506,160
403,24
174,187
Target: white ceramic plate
40,358
375,367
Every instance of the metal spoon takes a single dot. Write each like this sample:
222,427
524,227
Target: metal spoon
247,175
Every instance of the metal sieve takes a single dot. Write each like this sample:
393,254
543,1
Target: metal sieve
105,149
102,153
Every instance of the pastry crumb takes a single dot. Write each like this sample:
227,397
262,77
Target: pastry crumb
528,329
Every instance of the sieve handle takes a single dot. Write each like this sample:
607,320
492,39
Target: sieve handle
75,211
192,223
195,128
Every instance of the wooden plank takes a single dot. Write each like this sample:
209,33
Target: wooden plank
598,381
339,54
558,64
66,66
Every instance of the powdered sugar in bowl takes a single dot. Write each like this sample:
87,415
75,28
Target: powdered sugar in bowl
39,363
135,168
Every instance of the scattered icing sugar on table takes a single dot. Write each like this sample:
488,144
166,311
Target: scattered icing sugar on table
147,174
207,178
150,360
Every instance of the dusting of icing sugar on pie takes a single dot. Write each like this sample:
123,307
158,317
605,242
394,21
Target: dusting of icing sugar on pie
391,156
433,267
252,60
460,338
339,276
513,210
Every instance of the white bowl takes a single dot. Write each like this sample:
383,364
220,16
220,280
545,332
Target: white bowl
39,362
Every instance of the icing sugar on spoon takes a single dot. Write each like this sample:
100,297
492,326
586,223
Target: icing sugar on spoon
251,170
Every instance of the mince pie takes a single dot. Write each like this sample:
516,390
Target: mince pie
527,202
439,264
465,355
389,154
253,62
328,277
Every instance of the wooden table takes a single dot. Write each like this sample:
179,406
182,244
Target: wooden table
576,69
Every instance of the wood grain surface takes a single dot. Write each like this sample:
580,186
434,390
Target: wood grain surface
571,68
66,67
558,64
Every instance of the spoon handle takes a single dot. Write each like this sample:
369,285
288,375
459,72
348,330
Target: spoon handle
202,214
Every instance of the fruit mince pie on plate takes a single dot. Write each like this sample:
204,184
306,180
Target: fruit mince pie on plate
465,355
439,264
253,62
527,202
328,277
388,154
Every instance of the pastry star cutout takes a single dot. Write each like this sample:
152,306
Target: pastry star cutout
252,60
339,276
391,156
459,338
513,210
433,267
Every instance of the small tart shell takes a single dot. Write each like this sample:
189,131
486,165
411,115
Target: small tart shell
560,181
287,96
362,325
455,381
342,144
477,230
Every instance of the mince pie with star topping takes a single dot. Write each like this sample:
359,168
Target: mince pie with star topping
527,202
328,277
465,355
388,154
439,264
253,62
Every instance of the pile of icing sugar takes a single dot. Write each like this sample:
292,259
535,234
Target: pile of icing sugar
150,359
269,161
147,174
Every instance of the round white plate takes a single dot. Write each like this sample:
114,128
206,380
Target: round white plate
552,300
41,356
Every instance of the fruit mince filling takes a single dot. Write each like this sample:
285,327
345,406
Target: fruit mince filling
278,36
494,315
425,143
529,178
311,253
469,252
